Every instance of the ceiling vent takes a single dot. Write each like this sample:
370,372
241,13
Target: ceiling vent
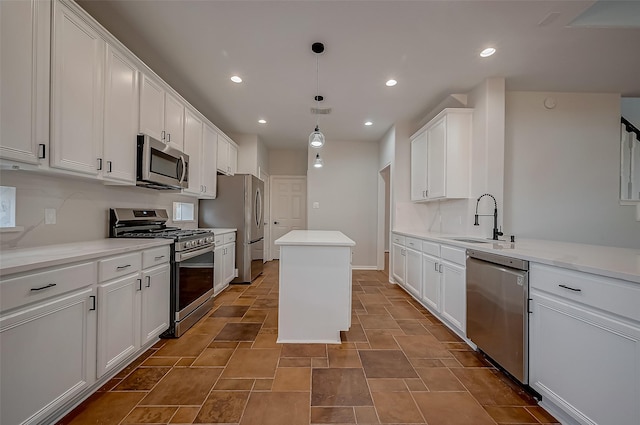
321,111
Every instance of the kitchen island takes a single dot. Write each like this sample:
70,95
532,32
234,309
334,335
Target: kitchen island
315,286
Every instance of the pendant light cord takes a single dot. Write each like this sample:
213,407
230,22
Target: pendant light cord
317,89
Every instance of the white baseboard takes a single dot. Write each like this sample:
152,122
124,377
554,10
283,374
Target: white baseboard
364,267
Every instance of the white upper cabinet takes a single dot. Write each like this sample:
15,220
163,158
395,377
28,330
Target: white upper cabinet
161,113
24,66
227,161
209,160
440,156
193,148
120,118
77,92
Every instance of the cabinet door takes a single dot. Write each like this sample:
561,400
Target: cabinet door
431,282
577,356
24,66
193,148
174,121
399,263
454,306
222,160
209,161
120,118
419,167
218,271
229,262
437,159
155,308
233,159
414,272
77,66
118,311
152,108
48,356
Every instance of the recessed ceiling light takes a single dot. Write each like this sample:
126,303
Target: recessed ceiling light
487,52
368,123
391,83
236,79
262,121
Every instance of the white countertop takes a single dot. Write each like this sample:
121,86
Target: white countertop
218,230
315,238
619,263
19,260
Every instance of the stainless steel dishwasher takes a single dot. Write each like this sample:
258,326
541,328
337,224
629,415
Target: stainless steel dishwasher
498,310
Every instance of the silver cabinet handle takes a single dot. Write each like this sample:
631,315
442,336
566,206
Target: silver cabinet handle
162,135
148,281
440,268
169,137
41,151
110,164
123,267
435,266
93,302
99,164
51,285
159,257
570,288
139,284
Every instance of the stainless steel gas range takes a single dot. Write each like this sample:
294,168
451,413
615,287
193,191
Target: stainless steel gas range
192,265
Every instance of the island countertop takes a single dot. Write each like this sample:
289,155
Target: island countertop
315,238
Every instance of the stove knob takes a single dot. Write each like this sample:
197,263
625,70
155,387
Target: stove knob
187,244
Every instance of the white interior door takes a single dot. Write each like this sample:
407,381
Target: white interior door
288,207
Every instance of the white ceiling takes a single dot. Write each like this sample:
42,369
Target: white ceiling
430,47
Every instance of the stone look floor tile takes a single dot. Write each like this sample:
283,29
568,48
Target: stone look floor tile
397,364
223,407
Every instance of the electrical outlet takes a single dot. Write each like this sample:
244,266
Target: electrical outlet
49,216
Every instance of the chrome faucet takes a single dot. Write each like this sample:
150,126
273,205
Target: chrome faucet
496,232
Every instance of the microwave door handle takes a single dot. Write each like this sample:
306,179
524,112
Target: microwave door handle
184,169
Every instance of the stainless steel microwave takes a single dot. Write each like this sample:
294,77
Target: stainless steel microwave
159,166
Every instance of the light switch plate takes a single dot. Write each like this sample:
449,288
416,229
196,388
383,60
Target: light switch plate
316,205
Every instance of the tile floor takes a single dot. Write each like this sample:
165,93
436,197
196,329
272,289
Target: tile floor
397,365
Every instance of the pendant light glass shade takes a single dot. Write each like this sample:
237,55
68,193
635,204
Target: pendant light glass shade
317,163
316,139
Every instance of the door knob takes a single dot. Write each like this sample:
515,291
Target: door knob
276,222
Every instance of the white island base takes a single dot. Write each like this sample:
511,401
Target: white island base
315,286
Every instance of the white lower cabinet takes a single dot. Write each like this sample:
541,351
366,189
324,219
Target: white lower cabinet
224,259
398,259
132,310
430,282
413,275
454,295
48,355
585,360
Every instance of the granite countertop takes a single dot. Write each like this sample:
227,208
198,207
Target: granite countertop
619,263
19,260
315,238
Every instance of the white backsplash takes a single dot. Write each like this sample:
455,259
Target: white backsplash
82,207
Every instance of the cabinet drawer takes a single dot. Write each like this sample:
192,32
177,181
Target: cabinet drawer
413,243
119,266
219,240
398,239
431,248
229,237
18,291
455,255
152,257
611,295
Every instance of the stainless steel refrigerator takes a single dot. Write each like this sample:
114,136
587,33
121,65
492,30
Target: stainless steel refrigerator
239,204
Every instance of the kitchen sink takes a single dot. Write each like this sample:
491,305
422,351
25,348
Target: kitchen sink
467,240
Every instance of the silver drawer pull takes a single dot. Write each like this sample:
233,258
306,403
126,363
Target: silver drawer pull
160,257
570,288
123,267
51,285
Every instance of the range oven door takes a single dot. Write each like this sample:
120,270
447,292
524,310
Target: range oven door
194,284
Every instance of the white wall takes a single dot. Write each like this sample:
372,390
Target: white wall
346,191
562,170
288,162
82,207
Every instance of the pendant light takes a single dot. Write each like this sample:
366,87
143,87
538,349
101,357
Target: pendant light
317,163
316,138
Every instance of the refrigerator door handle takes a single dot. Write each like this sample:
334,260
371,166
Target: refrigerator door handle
258,212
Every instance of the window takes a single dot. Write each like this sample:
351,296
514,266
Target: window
8,207
183,211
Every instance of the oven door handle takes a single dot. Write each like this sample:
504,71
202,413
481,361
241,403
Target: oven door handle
182,256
